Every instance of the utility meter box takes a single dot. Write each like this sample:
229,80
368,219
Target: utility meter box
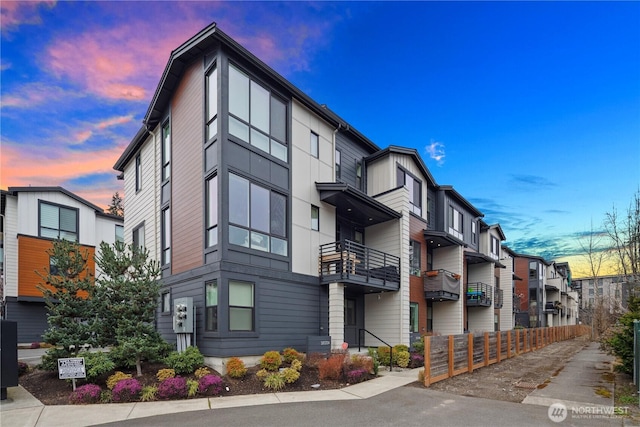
183,315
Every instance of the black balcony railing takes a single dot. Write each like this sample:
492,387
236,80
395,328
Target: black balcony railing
550,308
498,298
355,263
479,294
441,285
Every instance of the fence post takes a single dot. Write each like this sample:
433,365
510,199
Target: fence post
508,344
517,341
486,349
526,340
451,356
470,353
427,361
498,346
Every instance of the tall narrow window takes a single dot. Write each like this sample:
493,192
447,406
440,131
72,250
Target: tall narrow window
211,306
138,173
413,317
212,103
212,211
414,258
166,236
495,248
315,218
338,165
166,302
313,148
138,237
241,306
166,151
474,235
58,222
359,174
415,190
119,233
455,222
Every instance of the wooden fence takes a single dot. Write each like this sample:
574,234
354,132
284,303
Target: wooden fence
451,355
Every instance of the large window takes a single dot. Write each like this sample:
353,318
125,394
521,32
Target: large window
58,222
166,236
313,146
415,190
256,115
212,103
212,211
257,217
414,258
211,306
166,151
241,306
413,317
455,222
138,173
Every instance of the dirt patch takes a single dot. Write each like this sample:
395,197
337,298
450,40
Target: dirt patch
513,379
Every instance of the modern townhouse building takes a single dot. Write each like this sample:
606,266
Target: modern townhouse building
609,291
285,225
508,279
33,217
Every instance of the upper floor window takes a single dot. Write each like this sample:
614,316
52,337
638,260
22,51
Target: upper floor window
138,173
256,115
166,302
166,236
495,248
533,269
474,232
338,165
138,237
212,211
415,190
212,103
211,306
315,218
359,174
58,222
414,258
313,147
166,151
455,222
119,233
257,217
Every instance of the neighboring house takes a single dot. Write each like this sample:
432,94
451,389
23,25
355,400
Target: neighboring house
611,292
33,217
285,225
508,278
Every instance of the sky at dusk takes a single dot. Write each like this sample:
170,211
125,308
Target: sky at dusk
531,110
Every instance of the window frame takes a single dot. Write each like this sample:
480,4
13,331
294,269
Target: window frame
138,166
165,241
456,222
338,164
211,120
136,232
211,218
252,307
208,308
359,174
121,237
415,188
413,270
314,144
165,303
414,317
59,208
166,152
315,222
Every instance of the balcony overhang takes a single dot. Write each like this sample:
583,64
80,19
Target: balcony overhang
478,258
441,239
354,204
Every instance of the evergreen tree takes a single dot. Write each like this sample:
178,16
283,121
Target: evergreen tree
68,291
620,340
116,207
127,295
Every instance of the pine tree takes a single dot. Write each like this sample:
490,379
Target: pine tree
116,207
127,296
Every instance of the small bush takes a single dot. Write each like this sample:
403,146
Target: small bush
400,347
314,359
384,355
356,375
88,393
331,368
359,361
418,346
421,376
97,364
271,361
23,368
236,368
274,381
290,375
148,393
262,374
417,360
163,374
186,362
35,345
115,378
172,388
403,358
126,390
210,385
297,365
201,372
192,387
105,396
290,354
49,360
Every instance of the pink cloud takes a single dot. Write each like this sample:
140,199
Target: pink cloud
32,94
16,13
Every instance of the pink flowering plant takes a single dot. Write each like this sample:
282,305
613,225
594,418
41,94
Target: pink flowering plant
126,390
210,385
172,388
356,375
88,393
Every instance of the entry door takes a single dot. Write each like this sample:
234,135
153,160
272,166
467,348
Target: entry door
351,322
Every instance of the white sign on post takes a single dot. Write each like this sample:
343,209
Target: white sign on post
71,368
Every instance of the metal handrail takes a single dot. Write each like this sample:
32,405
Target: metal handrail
379,339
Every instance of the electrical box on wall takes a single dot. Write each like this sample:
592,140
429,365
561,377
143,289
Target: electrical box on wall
183,315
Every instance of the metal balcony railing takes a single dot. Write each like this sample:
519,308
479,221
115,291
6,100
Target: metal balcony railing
498,298
441,285
479,294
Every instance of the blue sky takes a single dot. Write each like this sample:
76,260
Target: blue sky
530,110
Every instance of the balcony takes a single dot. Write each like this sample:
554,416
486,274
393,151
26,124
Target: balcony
516,303
498,298
551,308
479,294
441,285
349,262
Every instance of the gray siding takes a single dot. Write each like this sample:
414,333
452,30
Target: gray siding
31,318
350,153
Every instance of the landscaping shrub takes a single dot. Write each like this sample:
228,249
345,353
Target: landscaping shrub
49,360
186,362
148,393
23,368
402,358
35,345
115,378
384,355
356,375
105,396
192,387
97,364
417,360
236,368
126,390
88,393
399,347
331,368
418,346
210,385
297,365
262,374
290,375
163,374
421,376
290,354
271,361
359,361
172,388
313,359
201,372
274,381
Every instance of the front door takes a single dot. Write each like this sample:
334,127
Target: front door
353,319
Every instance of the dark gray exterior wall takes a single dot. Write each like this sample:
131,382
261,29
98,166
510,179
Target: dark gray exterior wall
442,218
350,153
31,318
